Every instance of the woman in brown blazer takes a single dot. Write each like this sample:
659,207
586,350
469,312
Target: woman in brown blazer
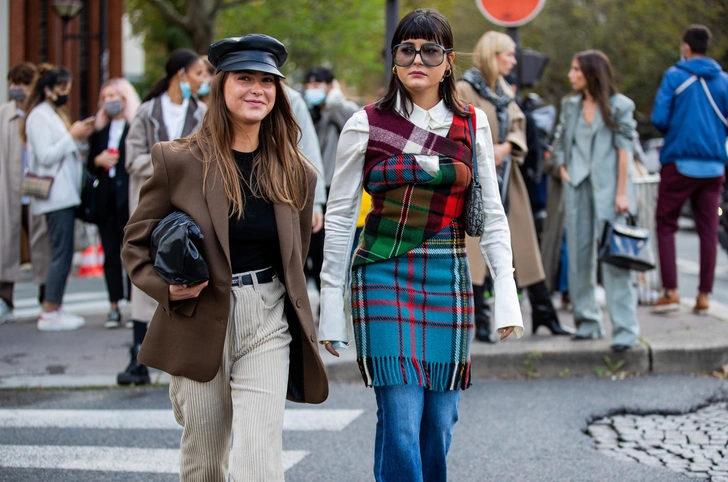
242,342
484,87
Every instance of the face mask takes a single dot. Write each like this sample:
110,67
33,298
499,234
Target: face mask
204,89
315,96
17,94
113,107
186,90
61,100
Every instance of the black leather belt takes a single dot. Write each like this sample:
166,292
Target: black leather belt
264,276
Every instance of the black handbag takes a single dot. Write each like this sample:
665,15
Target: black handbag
89,211
473,210
175,250
623,246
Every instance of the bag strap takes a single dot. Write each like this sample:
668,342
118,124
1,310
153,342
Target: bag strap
690,81
473,147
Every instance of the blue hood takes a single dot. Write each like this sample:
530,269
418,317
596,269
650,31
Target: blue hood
704,67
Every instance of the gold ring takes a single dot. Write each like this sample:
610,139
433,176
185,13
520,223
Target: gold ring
326,342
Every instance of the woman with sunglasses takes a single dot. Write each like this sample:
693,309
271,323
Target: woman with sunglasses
485,86
408,288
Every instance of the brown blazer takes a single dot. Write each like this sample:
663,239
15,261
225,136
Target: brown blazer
186,338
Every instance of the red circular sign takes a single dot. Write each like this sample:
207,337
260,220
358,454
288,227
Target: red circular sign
513,13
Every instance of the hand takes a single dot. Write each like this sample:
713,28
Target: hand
81,130
564,174
330,348
547,155
621,204
501,151
507,332
317,222
106,159
184,292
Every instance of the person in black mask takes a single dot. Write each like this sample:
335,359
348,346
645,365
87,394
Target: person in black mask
53,151
23,237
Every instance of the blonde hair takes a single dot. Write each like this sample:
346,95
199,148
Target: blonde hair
488,47
280,170
128,94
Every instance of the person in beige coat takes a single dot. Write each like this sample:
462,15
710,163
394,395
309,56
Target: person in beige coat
20,230
485,88
170,111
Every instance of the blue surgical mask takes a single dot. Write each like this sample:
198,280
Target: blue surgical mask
204,89
314,97
185,88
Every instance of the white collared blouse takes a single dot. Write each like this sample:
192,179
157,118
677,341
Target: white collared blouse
343,207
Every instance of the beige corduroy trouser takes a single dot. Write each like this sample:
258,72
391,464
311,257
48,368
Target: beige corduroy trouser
245,401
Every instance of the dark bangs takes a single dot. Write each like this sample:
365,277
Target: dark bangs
425,24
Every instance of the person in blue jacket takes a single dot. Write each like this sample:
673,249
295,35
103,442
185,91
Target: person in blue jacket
691,109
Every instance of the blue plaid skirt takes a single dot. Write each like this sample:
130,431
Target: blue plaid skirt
413,315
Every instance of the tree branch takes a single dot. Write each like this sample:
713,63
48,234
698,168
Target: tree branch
231,3
170,13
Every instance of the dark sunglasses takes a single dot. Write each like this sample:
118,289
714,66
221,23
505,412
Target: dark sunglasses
432,54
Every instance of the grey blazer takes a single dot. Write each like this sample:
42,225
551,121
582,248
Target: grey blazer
602,167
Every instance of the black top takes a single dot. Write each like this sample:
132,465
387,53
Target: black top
112,193
254,237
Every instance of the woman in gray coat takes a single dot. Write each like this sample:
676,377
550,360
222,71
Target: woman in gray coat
170,111
594,155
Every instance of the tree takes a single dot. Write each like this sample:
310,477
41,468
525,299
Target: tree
197,18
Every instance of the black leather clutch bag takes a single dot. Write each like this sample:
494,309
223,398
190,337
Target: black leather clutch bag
175,250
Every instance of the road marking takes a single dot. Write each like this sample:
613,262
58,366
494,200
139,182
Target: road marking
293,420
686,266
105,459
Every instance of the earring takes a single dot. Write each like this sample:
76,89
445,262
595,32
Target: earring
394,70
448,72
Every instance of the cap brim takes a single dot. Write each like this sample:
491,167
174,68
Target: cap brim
238,65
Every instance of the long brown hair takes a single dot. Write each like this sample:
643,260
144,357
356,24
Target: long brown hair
280,168
48,75
597,70
430,25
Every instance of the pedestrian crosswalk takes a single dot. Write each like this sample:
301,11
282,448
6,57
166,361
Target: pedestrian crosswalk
84,303
111,458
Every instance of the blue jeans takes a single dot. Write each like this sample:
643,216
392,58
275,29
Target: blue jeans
414,431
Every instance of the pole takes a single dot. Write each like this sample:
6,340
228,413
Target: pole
391,24
103,42
515,34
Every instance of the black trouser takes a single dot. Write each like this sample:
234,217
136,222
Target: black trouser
112,237
315,259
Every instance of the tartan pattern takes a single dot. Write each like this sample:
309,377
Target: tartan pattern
411,293
413,315
37,186
409,205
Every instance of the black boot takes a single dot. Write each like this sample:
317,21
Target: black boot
135,372
542,310
482,315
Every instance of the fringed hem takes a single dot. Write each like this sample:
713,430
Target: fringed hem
440,377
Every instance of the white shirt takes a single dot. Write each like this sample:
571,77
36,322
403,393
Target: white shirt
343,207
174,116
116,129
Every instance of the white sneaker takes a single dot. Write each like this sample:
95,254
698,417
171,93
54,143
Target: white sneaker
59,321
6,313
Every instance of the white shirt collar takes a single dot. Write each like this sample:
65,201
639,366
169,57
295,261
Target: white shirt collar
437,116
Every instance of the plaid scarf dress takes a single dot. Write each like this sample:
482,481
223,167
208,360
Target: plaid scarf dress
411,294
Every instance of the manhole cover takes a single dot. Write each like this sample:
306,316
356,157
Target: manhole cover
695,444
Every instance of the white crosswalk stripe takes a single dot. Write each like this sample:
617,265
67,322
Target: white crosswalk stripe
84,303
127,459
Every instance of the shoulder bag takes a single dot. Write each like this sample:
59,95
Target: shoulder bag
474,216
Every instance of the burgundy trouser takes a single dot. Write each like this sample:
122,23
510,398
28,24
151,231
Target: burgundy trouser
704,195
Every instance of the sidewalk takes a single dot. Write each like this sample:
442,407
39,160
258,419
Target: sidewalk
675,343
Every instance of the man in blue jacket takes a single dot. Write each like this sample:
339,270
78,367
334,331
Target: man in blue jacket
691,109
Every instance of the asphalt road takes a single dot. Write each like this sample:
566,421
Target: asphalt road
509,430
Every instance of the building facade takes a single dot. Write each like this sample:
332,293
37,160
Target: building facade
89,45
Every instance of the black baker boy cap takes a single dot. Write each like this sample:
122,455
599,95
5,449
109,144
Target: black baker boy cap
256,51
